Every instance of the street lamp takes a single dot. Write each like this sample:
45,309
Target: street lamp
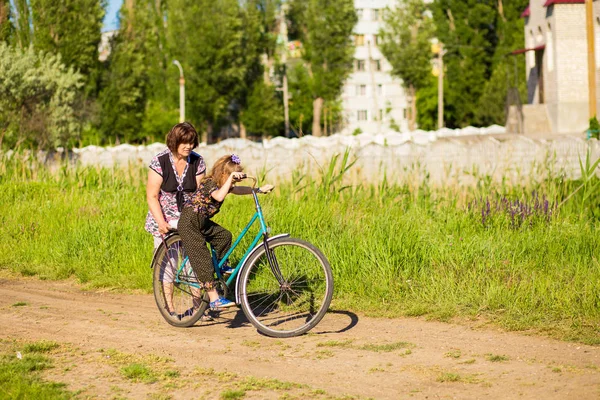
181,92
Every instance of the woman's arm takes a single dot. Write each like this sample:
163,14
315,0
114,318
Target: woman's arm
152,190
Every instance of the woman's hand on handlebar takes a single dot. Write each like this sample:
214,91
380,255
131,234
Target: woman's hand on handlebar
164,227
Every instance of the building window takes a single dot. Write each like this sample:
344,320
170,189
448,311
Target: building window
381,114
377,65
376,14
360,65
405,113
361,90
359,40
380,90
376,40
362,115
359,13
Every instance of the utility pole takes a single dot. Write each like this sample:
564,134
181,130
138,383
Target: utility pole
589,11
441,86
181,92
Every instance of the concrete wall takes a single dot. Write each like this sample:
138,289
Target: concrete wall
445,159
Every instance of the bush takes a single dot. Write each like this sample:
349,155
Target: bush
37,98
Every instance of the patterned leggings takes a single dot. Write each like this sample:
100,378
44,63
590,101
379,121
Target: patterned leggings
195,231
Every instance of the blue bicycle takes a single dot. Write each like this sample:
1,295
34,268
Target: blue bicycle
283,284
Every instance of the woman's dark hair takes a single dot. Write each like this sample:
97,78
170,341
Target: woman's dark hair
183,132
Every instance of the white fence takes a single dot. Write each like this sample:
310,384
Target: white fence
456,157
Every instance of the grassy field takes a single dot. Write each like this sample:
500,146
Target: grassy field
525,257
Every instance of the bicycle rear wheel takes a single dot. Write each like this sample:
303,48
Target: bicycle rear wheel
295,303
179,303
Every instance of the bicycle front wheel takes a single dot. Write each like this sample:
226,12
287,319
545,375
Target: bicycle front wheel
291,298
180,304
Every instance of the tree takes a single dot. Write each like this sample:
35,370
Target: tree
406,43
208,38
37,98
6,27
136,74
264,113
70,28
22,24
325,28
505,69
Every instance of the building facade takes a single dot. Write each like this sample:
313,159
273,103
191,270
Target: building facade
556,59
373,101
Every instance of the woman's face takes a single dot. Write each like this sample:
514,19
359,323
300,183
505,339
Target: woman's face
184,149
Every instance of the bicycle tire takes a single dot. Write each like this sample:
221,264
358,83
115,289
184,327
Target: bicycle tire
275,309
184,296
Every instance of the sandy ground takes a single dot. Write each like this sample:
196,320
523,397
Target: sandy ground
101,334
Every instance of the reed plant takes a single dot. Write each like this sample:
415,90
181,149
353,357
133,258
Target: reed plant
523,256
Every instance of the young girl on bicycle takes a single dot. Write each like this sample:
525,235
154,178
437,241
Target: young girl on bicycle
197,228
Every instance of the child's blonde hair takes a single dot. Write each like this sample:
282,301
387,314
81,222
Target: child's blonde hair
224,167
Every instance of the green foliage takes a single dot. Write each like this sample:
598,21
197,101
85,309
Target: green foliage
301,108
22,24
158,120
325,28
406,42
135,72
594,128
6,27
478,35
264,113
216,61
37,99
70,28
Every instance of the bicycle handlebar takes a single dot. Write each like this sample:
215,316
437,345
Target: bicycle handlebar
254,180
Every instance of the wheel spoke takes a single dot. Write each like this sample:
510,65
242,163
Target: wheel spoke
297,304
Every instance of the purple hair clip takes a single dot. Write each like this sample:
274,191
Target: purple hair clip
236,159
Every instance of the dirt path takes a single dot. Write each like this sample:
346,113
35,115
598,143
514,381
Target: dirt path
101,333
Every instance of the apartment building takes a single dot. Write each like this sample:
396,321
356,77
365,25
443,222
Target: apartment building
373,100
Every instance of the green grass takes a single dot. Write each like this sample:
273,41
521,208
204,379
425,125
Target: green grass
496,357
20,376
138,373
406,248
386,347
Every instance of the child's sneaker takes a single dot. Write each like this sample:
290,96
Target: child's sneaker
220,303
226,270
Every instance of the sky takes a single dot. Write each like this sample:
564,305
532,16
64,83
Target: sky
111,22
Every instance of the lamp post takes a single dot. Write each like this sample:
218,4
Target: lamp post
181,92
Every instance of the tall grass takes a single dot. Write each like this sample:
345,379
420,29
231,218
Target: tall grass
523,256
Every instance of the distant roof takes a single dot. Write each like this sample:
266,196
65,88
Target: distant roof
526,13
548,3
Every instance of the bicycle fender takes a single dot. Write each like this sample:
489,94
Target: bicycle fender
167,236
254,250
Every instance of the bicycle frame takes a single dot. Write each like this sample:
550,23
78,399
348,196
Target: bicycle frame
263,232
